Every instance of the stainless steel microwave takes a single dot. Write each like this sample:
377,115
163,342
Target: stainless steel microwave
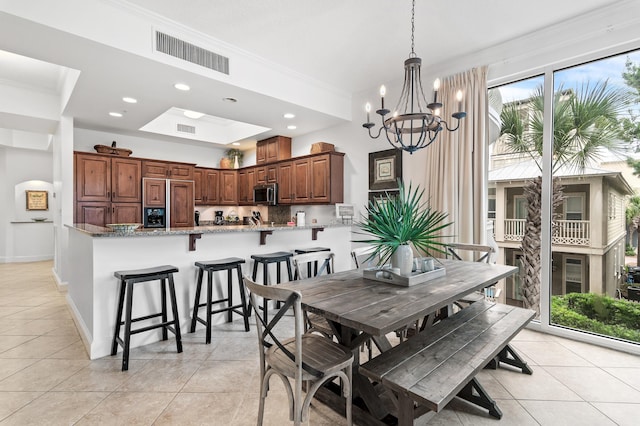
266,194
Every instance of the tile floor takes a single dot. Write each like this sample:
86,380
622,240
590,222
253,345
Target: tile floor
47,378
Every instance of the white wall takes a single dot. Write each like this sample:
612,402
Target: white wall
24,169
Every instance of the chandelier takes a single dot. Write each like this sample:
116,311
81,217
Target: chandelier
415,124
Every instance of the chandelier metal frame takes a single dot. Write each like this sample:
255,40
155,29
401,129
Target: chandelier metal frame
420,121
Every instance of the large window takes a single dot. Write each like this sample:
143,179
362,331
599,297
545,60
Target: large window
567,155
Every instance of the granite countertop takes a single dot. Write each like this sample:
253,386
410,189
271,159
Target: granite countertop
99,231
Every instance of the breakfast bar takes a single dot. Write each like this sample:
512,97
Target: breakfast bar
98,252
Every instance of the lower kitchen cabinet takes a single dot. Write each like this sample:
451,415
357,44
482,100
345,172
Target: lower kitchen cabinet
100,213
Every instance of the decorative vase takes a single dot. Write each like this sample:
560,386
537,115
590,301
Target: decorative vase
236,165
225,163
403,258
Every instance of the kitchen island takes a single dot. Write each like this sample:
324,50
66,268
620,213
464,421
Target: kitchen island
97,252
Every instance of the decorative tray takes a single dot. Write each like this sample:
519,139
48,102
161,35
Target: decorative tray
385,275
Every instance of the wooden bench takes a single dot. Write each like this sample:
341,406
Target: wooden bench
434,366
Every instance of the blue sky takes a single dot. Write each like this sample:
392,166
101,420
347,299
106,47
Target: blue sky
609,68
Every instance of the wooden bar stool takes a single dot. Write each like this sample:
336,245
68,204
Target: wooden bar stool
229,264
266,259
315,266
127,280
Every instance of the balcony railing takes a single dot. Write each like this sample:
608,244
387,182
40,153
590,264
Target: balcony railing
568,232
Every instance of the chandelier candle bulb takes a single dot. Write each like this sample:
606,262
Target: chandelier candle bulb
383,91
436,87
367,108
459,98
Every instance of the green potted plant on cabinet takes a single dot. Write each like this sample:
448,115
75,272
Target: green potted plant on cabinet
394,222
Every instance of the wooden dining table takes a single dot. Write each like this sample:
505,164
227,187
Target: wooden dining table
360,309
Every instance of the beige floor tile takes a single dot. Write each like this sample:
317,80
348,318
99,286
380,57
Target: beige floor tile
161,376
56,408
630,376
37,327
100,375
602,357
235,348
42,375
128,408
493,386
557,413
73,351
549,353
512,414
8,311
10,342
594,384
527,335
622,414
40,347
540,385
13,401
201,408
11,366
221,376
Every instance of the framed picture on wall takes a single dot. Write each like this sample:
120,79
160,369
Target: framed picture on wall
37,200
385,168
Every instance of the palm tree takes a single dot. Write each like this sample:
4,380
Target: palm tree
584,122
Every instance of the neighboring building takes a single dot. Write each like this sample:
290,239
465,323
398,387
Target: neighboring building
588,240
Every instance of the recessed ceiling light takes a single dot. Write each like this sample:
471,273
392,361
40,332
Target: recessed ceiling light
292,127
236,144
130,100
193,114
182,86
289,115
115,114
228,99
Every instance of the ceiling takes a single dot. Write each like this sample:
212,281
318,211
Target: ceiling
341,47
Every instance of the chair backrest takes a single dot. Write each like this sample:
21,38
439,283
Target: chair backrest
364,257
274,332
477,252
633,293
324,261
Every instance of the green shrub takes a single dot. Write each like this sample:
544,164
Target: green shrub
598,314
629,250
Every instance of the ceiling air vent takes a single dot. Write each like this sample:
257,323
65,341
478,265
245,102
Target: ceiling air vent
191,53
185,128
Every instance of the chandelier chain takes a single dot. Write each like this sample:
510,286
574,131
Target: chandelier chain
413,11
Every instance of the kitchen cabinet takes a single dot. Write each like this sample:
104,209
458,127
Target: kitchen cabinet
107,189
312,179
107,178
181,212
207,186
267,174
102,213
246,182
155,191
228,187
285,183
167,170
273,149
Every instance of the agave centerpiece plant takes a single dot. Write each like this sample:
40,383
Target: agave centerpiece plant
393,222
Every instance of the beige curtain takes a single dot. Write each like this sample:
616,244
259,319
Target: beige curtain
456,181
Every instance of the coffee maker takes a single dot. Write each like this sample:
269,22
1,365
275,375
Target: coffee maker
219,218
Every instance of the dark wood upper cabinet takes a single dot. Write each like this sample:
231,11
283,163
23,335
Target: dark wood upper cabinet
285,182
206,186
155,191
92,177
181,212
273,149
125,180
167,170
246,182
313,179
228,187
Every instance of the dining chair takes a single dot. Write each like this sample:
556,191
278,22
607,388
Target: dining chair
363,257
325,261
476,253
304,357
